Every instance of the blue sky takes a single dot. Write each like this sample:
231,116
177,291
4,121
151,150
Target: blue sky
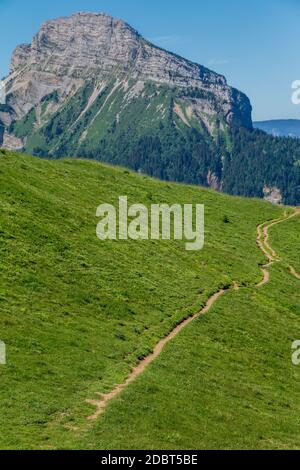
253,43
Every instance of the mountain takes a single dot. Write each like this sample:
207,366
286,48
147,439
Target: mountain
97,49
280,127
89,85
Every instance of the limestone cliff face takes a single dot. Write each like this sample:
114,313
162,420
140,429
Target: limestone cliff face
67,52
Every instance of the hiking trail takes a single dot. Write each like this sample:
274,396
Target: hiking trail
271,255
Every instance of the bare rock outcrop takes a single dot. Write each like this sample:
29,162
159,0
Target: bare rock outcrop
273,195
68,51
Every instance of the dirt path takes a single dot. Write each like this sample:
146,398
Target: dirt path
105,399
271,255
294,272
266,275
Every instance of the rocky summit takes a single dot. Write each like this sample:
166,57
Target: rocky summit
90,85
68,52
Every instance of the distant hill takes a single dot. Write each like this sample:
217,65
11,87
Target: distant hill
280,127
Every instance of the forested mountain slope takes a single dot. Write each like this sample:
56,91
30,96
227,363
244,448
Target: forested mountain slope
89,85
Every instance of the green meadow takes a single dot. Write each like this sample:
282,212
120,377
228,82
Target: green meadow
77,314
226,382
285,239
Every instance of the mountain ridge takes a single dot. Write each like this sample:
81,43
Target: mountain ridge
76,47
280,127
91,86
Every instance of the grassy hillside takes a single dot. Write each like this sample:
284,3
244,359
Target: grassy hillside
286,240
226,382
166,132
77,314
